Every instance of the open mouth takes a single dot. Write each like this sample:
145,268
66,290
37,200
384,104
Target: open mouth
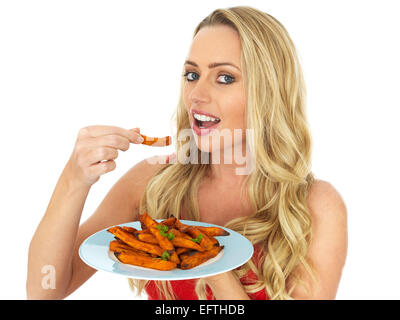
206,124
204,119
204,127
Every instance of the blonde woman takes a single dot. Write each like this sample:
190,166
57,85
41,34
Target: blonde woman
241,76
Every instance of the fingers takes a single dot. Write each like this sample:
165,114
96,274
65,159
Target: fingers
111,141
136,130
96,149
101,168
98,131
102,154
106,147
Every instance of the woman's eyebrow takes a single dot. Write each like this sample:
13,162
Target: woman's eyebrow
212,65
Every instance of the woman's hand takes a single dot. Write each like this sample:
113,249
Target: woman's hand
95,150
217,278
225,286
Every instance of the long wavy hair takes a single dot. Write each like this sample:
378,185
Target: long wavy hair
277,187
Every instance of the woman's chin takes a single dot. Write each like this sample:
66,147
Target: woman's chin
209,148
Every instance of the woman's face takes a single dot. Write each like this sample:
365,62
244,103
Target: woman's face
214,87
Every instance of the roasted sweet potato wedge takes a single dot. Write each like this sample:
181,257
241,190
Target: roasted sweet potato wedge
148,221
142,261
141,220
174,257
130,239
205,241
190,261
181,250
147,237
181,226
214,241
186,243
213,231
119,246
162,240
179,234
143,231
159,231
170,222
156,142
129,229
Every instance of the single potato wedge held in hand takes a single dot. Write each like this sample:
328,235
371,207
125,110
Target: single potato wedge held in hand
156,142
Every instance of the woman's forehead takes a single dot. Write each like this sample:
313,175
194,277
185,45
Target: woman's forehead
215,44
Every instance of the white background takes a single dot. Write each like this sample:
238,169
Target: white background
69,64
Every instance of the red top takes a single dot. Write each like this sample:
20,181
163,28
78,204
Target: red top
185,289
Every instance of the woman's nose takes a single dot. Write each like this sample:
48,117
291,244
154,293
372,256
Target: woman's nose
200,93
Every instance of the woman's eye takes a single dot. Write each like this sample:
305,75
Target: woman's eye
226,79
187,76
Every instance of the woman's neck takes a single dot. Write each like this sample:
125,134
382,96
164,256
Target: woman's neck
232,169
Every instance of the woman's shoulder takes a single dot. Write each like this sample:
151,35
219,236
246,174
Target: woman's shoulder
149,166
324,200
137,177
145,169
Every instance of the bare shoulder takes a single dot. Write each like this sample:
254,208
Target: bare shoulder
328,247
325,201
137,177
145,169
329,218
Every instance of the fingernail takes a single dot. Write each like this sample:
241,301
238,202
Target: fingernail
140,139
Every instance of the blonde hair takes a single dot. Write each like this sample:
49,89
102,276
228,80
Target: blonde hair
278,186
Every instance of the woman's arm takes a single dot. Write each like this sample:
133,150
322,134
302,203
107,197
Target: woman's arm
327,251
58,237
121,205
328,248
54,239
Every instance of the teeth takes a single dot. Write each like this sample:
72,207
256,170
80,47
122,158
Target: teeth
202,117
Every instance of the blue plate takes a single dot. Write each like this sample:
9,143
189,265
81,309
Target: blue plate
94,251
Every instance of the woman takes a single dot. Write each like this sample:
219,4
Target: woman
242,71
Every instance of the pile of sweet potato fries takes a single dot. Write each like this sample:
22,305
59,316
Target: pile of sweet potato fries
165,245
